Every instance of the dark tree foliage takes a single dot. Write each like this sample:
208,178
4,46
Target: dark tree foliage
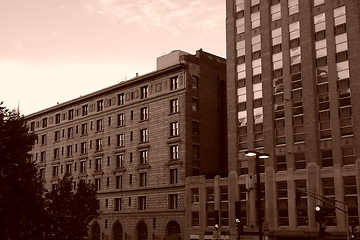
21,189
71,211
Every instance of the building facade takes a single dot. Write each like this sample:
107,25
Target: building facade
292,92
137,141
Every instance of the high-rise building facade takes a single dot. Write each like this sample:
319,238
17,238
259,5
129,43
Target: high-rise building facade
292,92
137,141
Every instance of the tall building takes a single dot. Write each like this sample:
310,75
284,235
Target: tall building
137,141
292,93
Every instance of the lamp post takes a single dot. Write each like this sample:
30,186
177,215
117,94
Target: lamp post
258,156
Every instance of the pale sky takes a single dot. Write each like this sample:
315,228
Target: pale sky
56,50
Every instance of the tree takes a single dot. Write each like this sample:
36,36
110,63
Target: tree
70,211
21,188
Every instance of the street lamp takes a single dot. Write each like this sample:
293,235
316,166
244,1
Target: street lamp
258,156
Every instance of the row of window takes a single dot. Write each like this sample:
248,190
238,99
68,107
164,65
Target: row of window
98,106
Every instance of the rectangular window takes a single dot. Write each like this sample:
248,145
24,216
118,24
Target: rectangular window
301,206
71,114
83,147
44,122
281,163
99,125
348,155
174,152
173,176
55,171
174,82
43,156
118,182
195,195
68,168
97,164
143,157
195,128
119,160
84,110
117,204
144,91
121,119
82,166
84,129
174,105
293,6
142,182
240,25
282,202
173,201
141,203
98,184
121,99
56,153
326,158
99,105
69,151
255,20
144,135
43,139
275,12
318,2
144,113
174,129
299,159
57,118
351,198
120,140
98,144
70,132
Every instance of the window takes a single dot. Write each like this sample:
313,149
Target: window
341,42
326,158
99,125
68,168
99,105
141,203
142,179
320,48
84,110
43,139
144,135
70,132
71,114
121,119
83,147
195,219
240,5
318,2
174,105
173,201
195,195
173,176
55,172
144,91
174,152
275,12
328,187
44,122
69,151
57,118
97,164
118,182
319,22
350,192
282,202
195,128
174,82
56,153
256,43
174,129
299,159
293,6
84,129
195,105
43,156
348,155
144,113
82,166
120,140
98,184
281,163
276,35
143,156
240,25
294,29
302,208
117,204
121,99
340,16
98,144
255,20
240,47
119,161
256,67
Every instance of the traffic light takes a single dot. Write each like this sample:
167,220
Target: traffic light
217,220
237,210
318,213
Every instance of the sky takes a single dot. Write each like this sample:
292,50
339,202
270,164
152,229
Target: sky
52,51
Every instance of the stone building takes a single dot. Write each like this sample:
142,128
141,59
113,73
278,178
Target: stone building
137,141
292,93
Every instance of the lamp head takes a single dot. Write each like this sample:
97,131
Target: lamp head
250,153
